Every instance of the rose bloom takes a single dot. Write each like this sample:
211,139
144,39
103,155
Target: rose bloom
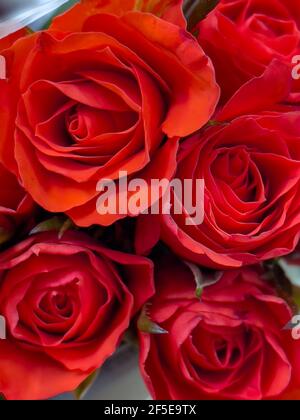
16,206
242,37
106,89
250,163
67,304
229,344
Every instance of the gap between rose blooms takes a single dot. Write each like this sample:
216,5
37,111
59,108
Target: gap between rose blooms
185,197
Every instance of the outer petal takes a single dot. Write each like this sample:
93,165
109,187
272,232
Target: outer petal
65,368
174,55
15,58
15,369
276,84
73,19
10,39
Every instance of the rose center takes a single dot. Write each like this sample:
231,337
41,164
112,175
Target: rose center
235,168
57,303
84,123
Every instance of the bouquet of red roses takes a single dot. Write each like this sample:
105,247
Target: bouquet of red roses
150,184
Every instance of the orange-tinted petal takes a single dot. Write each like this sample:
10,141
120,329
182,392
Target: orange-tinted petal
73,19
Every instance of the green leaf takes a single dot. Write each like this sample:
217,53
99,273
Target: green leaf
146,325
56,223
203,278
67,225
197,10
86,385
214,123
199,280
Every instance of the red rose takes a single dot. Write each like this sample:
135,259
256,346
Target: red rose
16,206
96,95
242,37
230,344
67,304
251,169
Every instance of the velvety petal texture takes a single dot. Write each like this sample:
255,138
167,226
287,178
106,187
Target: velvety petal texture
250,163
115,93
67,304
227,345
242,37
